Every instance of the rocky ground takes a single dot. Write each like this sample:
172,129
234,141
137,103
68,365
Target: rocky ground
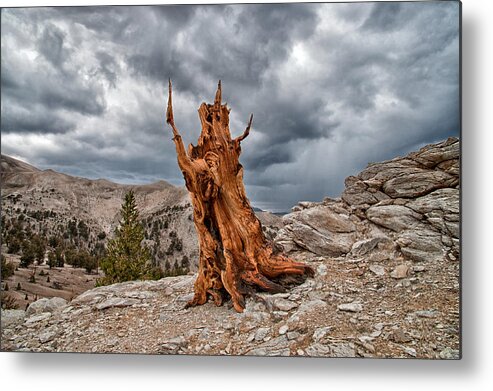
347,310
386,256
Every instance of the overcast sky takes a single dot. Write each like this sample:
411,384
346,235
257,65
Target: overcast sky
332,87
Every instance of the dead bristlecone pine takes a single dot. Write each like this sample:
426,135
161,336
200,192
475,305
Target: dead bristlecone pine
235,257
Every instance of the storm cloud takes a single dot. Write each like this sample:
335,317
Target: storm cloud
332,88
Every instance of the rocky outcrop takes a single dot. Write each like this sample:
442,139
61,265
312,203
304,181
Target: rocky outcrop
409,203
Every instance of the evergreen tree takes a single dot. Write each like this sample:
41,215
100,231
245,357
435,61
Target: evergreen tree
28,255
51,259
127,259
7,268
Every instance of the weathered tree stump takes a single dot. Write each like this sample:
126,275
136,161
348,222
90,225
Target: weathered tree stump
235,256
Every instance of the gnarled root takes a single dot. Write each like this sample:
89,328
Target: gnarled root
241,283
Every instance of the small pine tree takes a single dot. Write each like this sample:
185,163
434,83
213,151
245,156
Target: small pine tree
127,259
6,288
48,279
51,259
18,286
26,297
28,255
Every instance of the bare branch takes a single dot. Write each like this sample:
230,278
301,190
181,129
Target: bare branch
183,159
169,112
217,100
247,130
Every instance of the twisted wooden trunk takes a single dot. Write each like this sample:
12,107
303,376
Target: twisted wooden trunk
235,256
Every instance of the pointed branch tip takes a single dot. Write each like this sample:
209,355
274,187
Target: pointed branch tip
217,99
247,130
169,110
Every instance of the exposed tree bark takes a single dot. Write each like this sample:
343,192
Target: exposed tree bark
235,256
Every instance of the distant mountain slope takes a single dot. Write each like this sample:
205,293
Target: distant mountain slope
52,203
49,201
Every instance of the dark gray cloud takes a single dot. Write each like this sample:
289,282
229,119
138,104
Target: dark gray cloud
386,17
332,87
50,45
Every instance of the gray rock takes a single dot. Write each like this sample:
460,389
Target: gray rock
278,346
377,269
427,313
394,217
12,318
322,219
185,298
310,306
47,336
261,333
293,335
400,336
449,354
283,329
418,183
333,350
320,333
168,291
451,167
116,302
89,297
320,230
37,307
140,295
363,247
410,351
356,196
330,244
284,305
38,318
421,245
172,345
400,271
432,155
55,304
444,200
322,270
184,282
379,173
350,307
317,349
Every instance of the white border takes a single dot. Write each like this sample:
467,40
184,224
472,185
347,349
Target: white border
37,372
